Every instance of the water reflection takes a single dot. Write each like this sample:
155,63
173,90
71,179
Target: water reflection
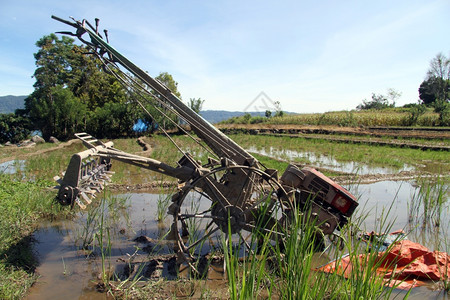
396,202
327,162
12,166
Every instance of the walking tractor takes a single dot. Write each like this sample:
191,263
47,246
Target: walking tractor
228,198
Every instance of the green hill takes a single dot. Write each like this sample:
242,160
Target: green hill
8,104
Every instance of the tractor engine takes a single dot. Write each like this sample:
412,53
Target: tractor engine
329,203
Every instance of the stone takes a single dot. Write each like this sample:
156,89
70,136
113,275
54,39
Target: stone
37,139
53,140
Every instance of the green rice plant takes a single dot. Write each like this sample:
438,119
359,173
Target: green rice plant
377,156
84,238
163,202
127,288
65,272
429,203
247,277
294,259
368,278
103,236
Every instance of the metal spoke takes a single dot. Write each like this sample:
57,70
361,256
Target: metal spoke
245,243
251,228
183,217
203,238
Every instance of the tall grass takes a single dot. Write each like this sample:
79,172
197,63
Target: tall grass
386,117
103,238
429,203
288,270
163,202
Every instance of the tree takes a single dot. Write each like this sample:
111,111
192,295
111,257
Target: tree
69,87
415,110
380,101
393,95
278,110
428,90
52,107
58,114
13,128
196,104
113,120
167,79
436,86
162,118
89,82
74,93
435,89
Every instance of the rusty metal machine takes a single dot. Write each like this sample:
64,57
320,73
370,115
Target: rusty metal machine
232,195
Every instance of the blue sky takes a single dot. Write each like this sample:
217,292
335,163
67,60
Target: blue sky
311,56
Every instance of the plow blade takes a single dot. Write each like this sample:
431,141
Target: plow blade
87,174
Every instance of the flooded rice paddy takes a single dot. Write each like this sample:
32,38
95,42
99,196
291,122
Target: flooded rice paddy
70,261
327,162
70,256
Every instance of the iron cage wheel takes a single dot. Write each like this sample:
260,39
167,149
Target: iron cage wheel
230,206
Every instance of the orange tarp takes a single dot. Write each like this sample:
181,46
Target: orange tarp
405,265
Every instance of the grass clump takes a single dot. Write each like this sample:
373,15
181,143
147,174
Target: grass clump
289,270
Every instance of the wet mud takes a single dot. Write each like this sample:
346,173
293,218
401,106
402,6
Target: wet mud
140,252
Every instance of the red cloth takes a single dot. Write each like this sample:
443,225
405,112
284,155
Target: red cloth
405,265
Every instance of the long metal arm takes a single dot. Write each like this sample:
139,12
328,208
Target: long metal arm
214,138
183,173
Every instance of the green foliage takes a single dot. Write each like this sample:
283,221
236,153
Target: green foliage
378,101
196,104
73,93
278,111
257,119
112,120
436,86
442,107
59,113
167,79
416,111
160,114
52,107
246,117
433,88
13,128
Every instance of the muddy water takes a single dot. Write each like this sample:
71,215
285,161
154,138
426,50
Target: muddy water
67,271
400,203
12,166
327,162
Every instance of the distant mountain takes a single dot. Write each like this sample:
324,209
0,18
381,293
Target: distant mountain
8,104
215,116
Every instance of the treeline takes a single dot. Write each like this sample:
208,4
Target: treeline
73,92
399,116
